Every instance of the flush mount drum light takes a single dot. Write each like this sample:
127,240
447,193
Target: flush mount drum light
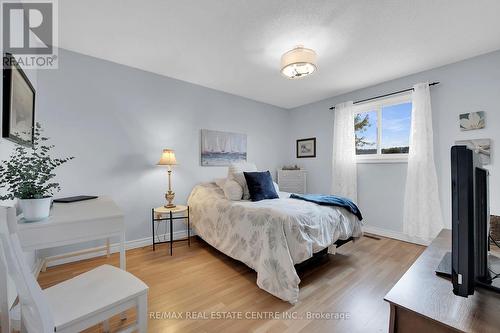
298,62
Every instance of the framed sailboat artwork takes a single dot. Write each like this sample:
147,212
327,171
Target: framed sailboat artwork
222,148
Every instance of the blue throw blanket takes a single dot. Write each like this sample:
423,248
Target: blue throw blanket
330,200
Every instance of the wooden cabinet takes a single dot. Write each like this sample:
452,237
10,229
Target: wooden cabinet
293,181
421,301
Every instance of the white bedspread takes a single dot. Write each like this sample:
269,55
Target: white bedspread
270,236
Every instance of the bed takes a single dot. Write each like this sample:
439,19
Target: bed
269,236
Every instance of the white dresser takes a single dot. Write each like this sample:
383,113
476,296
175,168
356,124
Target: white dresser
293,181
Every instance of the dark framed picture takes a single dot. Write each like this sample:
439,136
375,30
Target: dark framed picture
18,110
306,148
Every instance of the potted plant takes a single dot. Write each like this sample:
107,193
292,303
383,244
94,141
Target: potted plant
27,175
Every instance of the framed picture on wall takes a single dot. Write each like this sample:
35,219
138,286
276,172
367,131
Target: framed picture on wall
18,118
472,121
306,148
222,148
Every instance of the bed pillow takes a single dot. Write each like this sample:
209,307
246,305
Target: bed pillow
276,187
260,185
235,172
232,190
220,182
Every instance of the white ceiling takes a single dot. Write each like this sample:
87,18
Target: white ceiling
235,45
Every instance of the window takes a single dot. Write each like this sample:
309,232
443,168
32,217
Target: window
382,129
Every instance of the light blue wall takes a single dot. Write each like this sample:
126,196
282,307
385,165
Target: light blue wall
116,120
466,86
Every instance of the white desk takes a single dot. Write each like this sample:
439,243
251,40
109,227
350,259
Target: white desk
72,223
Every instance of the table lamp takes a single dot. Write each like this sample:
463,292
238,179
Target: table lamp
168,159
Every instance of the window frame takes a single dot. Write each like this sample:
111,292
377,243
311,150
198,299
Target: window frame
378,105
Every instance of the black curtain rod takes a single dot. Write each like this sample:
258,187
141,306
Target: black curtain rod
386,95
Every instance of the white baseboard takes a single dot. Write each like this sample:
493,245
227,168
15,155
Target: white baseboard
114,248
395,235
133,244
37,267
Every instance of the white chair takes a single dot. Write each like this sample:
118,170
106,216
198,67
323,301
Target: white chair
10,317
8,321
76,304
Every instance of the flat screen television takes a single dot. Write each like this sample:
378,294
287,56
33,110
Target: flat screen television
469,263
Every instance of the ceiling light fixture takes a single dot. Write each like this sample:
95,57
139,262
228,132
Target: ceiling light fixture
298,63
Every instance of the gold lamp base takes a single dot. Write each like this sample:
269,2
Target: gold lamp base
170,197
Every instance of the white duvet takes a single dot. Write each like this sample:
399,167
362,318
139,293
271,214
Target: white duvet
270,236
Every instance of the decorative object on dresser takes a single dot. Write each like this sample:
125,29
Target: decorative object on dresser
472,121
290,167
222,148
18,104
26,176
168,159
293,181
479,146
306,148
157,217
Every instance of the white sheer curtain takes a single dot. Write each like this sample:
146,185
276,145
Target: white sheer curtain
344,182
422,209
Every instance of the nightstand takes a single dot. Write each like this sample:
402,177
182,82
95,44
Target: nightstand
163,214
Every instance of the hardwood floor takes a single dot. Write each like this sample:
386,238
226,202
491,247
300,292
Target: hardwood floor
199,281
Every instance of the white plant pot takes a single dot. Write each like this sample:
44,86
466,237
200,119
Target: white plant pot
35,209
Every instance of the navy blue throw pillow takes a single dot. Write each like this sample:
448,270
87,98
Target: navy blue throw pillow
260,185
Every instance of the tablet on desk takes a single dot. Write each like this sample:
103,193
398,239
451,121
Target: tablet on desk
75,198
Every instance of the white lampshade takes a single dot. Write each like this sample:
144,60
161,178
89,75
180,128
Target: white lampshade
298,63
167,157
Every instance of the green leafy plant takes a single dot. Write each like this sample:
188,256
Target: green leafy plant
361,124
28,172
